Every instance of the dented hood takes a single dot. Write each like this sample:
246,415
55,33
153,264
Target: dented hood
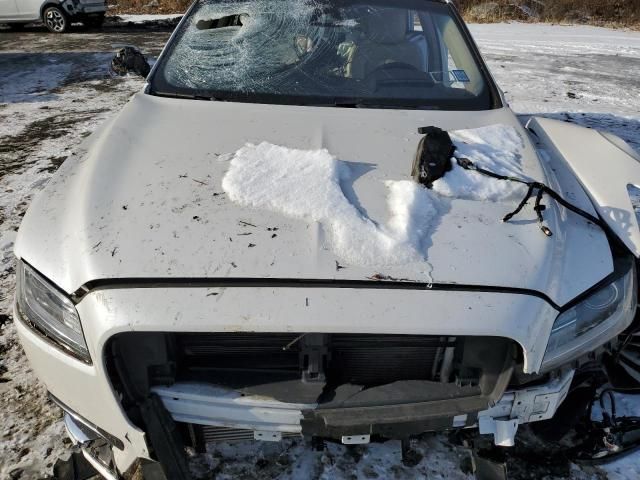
143,198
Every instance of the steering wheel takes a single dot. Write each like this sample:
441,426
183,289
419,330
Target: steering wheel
398,73
386,69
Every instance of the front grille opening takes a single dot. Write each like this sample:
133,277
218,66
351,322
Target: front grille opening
371,360
307,367
316,372
246,359
235,360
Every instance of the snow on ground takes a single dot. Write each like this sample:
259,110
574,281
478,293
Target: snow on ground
137,19
49,101
44,113
587,75
293,460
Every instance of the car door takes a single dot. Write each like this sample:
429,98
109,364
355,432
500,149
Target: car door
29,10
8,10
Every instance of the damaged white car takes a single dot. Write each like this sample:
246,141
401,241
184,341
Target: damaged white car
321,219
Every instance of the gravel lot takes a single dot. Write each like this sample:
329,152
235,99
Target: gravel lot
56,89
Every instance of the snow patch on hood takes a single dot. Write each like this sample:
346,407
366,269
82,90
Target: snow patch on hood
496,148
305,184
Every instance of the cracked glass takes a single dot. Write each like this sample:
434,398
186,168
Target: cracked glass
344,53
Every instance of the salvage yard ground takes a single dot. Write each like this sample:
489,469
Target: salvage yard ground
56,89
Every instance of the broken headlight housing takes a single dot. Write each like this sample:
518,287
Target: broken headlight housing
49,311
595,320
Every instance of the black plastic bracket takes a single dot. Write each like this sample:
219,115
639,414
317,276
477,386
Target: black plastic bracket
76,467
487,468
165,439
314,356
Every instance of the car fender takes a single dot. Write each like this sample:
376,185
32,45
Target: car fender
69,6
54,3
604,165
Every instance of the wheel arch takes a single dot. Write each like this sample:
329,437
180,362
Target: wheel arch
51,3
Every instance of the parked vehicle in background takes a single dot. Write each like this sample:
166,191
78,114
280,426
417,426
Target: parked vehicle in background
57,15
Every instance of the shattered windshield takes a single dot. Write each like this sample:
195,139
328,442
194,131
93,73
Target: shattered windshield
410,53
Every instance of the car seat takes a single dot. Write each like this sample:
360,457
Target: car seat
384,39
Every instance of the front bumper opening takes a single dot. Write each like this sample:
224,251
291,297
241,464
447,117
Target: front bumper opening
269,385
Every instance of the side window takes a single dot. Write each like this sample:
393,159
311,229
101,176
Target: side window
414,22
451,64
456,75
415,36
454,58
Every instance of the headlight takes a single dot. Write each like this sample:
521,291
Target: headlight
50,311
594,321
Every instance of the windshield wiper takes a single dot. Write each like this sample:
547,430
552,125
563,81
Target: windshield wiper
346,103
212,98
171,94
361,104
189,96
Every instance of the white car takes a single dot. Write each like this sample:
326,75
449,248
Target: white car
243,252
57,15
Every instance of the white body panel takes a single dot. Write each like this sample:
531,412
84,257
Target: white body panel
523,318
21,10
86,388
9,10
603,168
146,202
30,9
108,312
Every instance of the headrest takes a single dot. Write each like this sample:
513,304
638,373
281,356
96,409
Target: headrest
385,25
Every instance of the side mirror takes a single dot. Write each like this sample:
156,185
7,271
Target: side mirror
130,60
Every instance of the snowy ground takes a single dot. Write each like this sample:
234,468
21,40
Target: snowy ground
54,90
589,75
145,19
